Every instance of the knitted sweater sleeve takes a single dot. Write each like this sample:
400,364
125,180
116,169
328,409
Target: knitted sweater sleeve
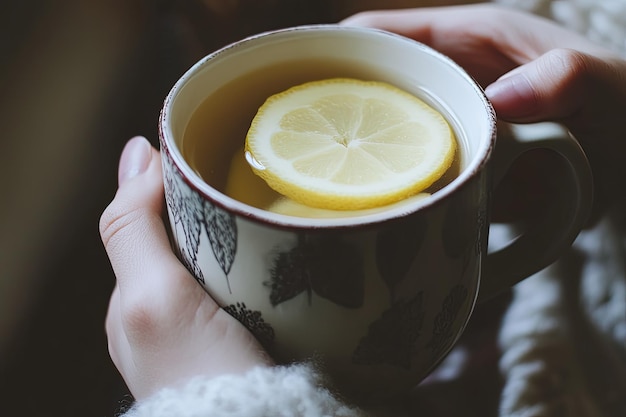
293,391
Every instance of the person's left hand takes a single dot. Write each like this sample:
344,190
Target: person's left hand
163,328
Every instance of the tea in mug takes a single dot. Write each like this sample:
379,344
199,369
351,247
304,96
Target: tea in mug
214,138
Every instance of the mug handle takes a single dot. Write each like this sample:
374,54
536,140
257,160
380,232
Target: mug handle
543,242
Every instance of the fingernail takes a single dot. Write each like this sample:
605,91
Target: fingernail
512,96
135,159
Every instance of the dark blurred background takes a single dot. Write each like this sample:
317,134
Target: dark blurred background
77,79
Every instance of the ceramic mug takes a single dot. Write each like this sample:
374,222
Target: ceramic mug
376,300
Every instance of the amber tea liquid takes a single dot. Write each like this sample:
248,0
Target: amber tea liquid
214,138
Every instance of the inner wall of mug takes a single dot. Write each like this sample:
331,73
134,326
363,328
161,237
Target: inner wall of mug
380,55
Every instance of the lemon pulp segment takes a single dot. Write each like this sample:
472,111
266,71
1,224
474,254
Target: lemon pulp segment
347,144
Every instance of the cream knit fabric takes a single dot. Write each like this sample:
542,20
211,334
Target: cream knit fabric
563,337
294,391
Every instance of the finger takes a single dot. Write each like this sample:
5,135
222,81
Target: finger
552,87
518,35
448,28
413,23
467,34
132,227
485,39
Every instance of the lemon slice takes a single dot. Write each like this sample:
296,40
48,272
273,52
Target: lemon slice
292,208
346,144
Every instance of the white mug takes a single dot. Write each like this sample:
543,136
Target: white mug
376,300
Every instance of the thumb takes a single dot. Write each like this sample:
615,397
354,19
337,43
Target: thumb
131,227
551,87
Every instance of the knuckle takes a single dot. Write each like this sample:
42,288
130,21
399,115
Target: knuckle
141,320
566,76
568,64
114,221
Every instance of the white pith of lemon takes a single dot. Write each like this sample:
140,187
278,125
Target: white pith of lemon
292,208
347,144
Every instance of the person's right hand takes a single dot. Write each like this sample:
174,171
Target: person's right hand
163,329
533,70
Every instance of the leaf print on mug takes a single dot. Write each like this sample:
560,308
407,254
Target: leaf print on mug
191,213
184,207
222,230
392,339
328,267
444,320
254,322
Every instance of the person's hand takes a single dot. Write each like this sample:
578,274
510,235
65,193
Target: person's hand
163,328
533,70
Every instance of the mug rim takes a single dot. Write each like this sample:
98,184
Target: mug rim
216,197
